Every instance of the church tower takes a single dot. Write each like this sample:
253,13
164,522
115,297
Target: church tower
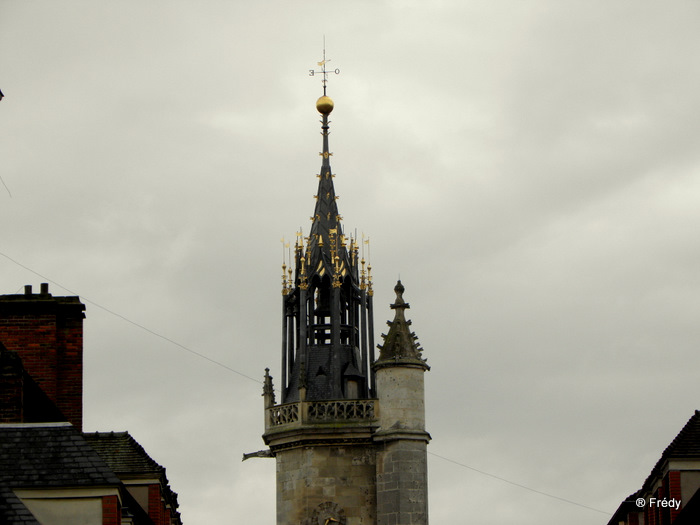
401,440
348,433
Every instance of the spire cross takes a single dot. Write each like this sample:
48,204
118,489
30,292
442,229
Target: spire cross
323,71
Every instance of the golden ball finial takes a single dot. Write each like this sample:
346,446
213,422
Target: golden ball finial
324,105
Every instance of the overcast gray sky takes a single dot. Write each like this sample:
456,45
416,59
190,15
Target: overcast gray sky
530,169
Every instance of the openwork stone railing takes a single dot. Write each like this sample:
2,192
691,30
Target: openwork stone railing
341,410
283,414
322,412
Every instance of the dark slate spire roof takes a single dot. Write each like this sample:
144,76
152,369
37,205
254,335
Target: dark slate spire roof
325,240
400,344
328,337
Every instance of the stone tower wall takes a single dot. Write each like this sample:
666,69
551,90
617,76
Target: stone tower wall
318,482
402,483
401,440
401,397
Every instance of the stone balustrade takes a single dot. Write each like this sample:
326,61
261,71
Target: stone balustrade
312,412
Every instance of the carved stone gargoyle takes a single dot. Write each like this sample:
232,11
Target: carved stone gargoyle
259,454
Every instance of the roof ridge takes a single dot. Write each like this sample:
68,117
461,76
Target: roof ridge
685,444
48,424
689,431
122,457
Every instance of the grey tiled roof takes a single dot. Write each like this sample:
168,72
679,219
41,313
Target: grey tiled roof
12,510
45,455
686,445
128,459
627,506
50,455
123,453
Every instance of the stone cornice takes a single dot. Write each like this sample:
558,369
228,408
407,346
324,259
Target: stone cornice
402,434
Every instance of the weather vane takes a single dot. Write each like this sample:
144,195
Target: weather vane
323,71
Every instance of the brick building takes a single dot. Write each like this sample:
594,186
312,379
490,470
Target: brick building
671,493
46,332
50,472
143,477
348,434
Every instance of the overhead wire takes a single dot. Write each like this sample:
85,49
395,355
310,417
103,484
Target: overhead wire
222,365
520,485
134,323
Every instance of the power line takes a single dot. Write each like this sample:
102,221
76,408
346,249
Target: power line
8,189
519,485
218,363
146,329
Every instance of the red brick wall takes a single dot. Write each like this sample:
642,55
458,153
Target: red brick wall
651,514
33,337
674,491
111,514
69,338
155,505
633,518
11,387
47,333
157,509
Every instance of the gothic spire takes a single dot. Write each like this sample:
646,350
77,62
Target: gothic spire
327,335
326,251
400,344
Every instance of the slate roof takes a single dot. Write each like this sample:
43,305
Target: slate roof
123,454
685,445
400,344
50,455
128,460
627,506
325,219
47,455
12,510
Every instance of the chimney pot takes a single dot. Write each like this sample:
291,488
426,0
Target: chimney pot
27,289
44,288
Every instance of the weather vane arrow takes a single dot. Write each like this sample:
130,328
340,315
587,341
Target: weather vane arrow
323,71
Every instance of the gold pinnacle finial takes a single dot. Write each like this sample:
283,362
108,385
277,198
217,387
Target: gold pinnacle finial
286,274
324,105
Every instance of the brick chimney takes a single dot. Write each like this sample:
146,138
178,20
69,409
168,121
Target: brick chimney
47,334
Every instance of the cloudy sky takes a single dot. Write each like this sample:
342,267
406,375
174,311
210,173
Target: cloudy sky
530,169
